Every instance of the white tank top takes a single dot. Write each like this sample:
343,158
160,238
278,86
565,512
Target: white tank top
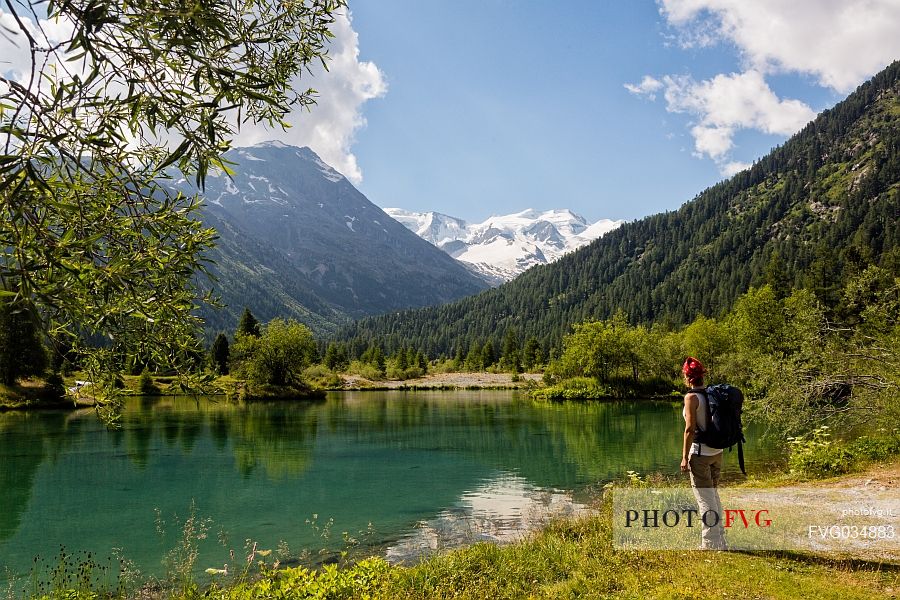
700,420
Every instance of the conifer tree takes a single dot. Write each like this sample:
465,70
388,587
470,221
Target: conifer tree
460,357
220,353
488,357
474,358
335,357
248,325
776,275
511,360
400,359
531,356
378,360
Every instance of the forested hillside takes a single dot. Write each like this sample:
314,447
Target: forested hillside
811,214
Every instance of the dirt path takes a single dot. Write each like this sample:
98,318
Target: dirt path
447,380
854,515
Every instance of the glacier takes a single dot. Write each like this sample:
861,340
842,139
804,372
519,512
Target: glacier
503,246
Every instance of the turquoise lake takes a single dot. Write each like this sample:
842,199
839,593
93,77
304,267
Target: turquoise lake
425,469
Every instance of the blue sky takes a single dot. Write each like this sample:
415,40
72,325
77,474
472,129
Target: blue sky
615,109
474,108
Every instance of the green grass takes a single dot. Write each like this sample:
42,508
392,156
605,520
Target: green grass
569,559
573,559
255,392
10,396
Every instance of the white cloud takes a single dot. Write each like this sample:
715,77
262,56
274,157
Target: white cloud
839,42
647,87
736,100
734,167
15,56
711,140
330,126
726,104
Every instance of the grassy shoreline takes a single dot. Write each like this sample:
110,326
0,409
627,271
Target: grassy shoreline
36,395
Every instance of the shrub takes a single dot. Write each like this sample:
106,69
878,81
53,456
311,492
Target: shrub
818,455
281,353
359,581
364,369
322,377
394,372
54,387
146,386
447,365
576,388
877,447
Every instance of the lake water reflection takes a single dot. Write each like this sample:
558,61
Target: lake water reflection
425,469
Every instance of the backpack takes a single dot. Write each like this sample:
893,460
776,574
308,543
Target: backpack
723,420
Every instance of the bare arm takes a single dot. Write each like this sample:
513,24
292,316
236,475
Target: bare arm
690,410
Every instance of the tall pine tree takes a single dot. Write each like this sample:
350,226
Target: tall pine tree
248,325
220,353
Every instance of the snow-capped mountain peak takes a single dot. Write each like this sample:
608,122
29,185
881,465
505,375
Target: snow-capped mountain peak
273,144
435,227
503,246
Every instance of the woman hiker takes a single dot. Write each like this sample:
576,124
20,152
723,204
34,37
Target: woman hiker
702,462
